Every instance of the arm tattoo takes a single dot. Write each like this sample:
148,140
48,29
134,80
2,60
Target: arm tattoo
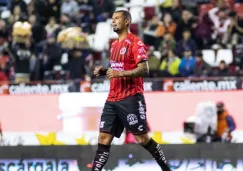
141,70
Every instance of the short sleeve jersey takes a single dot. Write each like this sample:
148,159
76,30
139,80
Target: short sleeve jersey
125,55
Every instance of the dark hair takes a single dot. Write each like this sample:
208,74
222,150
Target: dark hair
222,62
126,14
199,54
186,30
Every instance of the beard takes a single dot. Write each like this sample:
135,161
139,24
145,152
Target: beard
116,30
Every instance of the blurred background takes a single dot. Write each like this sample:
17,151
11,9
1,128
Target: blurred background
50,102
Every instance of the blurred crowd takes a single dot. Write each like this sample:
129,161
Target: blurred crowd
176,36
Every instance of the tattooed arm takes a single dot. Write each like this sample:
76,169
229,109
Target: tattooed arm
141,70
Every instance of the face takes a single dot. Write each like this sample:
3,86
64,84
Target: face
186,35
171,54
222,65
64,19
17,10
155,20
52,1
2,24
198,59
32,19
186,15
187,53
222,15
175,3
77,54
119,22
167,18
51,40
52,21
220,109
167,36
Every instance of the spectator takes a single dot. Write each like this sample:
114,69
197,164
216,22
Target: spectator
69,7
187,22
103,9
20,4
5,67
176,11
154,63
201,69
203,32
187,64
38,31
167,44
186,43
153,32
236,29
221,22
24,57
65,22
226,123
52,54
223,70
52,26
76,64
17,13
3,34
170,65
51,9
168,25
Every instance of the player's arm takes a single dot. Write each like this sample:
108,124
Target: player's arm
99,71
140,57
141,70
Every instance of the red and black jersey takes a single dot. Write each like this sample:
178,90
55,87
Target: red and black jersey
125,55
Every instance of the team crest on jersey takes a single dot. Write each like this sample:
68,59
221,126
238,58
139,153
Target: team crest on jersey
140,43
123,50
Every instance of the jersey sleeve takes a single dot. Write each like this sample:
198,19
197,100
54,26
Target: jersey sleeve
139,52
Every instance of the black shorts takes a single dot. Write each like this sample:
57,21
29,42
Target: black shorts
129,113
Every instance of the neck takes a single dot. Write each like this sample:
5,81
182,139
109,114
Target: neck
123,35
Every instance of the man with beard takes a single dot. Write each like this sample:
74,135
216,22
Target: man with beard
125,106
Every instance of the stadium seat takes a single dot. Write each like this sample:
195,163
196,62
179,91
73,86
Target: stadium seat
135,3
137,14
5,14
149,12
121,8
99,41
210,57
238,8
134,29
151,2
226,55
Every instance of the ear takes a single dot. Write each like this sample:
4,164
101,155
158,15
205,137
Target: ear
127,22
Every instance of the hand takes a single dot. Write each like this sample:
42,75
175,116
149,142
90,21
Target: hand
113,73
98,70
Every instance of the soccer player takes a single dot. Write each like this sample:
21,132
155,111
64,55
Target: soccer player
125,106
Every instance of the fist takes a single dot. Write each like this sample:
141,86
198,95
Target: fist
114,73
98,70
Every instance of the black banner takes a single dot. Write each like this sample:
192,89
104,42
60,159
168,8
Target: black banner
196,157
104,85
39,88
